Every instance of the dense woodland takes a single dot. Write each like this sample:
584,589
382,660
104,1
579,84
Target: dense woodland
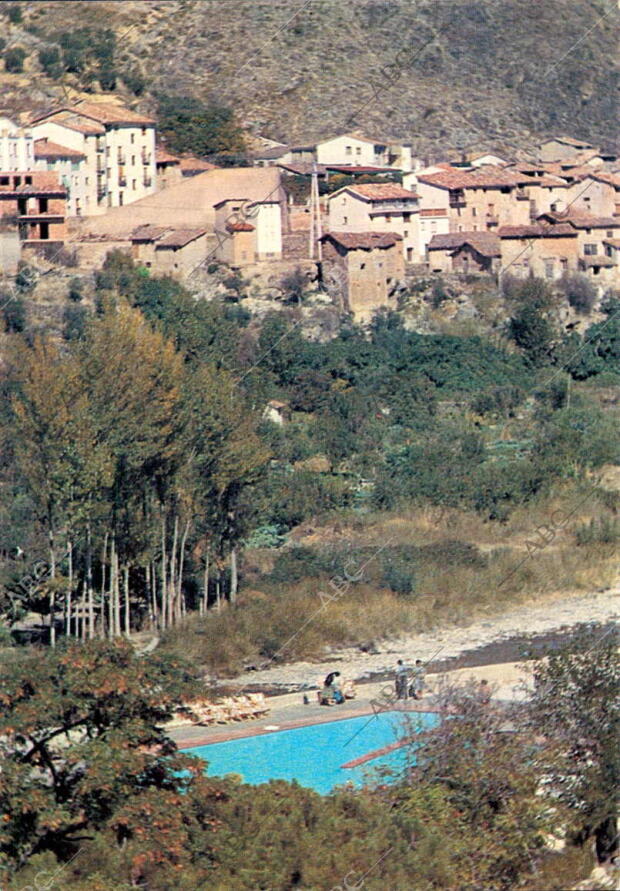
137,466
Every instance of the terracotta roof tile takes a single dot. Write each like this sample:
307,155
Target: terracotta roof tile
486,243
164,157
108,113
45,148
178,238
580,220
148,232
482,177
536,231
597,260
241,226
73,121
614,242
380,191
363,240
197,164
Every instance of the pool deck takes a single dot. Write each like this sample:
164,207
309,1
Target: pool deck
288,711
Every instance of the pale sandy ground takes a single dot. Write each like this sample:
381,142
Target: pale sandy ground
533,618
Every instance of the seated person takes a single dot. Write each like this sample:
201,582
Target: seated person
331,694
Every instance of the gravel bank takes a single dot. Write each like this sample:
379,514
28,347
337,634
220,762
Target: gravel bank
537,618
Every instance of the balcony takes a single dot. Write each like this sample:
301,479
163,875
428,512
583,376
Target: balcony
42,217
146,157
380,208
122,180
100,145
122,158
100,165
457,199
492,220
147,181
521,194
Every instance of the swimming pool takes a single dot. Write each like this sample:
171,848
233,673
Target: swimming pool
314,755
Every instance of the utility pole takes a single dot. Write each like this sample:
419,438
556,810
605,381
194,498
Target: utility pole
315,216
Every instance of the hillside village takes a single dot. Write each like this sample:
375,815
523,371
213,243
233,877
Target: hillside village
362,214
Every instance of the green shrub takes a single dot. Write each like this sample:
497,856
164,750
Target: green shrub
14,59
14,313
603,531
50,61
579,291
297,563
398,574
14,13
453,552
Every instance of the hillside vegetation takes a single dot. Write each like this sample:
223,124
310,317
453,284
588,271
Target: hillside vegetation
458,72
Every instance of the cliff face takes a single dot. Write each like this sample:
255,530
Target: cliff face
437,72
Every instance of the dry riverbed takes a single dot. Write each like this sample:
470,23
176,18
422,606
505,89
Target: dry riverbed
503,635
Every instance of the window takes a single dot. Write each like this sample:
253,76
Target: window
348,150
609,233
473,211
554,207
590,249
409,253
345,220
406,233
4,180
133,184
388,218
433,225
86,181
563,265
475,228
548,268
406,217
358,150
144,131
362,266
75,165
120,199
17,180
133,160
133,138
28,180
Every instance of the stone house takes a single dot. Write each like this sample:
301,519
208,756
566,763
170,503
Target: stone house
476,200
464,252
69,165
346,150
378,207
169,251
119,147
363,270
560,147
248,231
592,232
431,221
546,251
16,146
167,169
38,203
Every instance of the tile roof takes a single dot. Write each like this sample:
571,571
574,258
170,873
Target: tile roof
45,148
487,176
536,231
364,241
568,140
148,232
380,191
580,220
614,242
164,157
73,121
108,113
178,238
485,243
302,168
597,260
240,226
197,164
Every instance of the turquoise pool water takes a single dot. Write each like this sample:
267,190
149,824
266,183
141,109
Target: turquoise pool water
314,755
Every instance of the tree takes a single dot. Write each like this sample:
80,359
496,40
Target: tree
51,62
14,59
187,125
576,706
14,313
81,737
579,291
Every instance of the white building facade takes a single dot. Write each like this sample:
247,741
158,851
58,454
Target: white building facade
16,146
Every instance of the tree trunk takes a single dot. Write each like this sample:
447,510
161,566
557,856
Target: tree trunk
117,596
180,597
234,578
172,598
111,625
69,598
52,594
104,554
205,585
127,606
89,584
164,587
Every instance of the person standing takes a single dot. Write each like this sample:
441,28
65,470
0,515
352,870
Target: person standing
419,680
401,680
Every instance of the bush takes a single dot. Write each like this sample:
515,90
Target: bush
499,400
14,313
50,61
579,291
603,531
439,293
398,575
14,59
74,319
14,13
186,125
297,563
294,286
453,552
135,82
75,290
